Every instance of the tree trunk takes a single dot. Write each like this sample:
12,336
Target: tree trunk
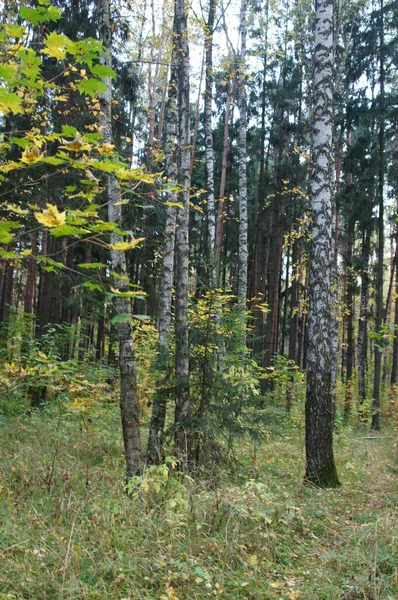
157,423
209,146
224,166
320,466
182,403
380,246
243,255
127,364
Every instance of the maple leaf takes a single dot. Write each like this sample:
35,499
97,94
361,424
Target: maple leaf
31,154
76,145
106,148
51,217
124,246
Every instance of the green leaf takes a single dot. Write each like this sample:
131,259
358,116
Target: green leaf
40,15
92,286
15,31
7,254
91,266
65,230
121,318
91,87
102,71
10,102
142,317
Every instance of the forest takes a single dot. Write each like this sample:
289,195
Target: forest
198,299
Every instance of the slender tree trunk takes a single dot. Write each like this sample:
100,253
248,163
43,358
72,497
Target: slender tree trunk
363,309
320,466
197,116
380,246
127,363
394,368
182,401
224,166
209,145
157,423
30,293
242,103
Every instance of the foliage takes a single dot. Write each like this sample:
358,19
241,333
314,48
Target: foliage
253,533
38,375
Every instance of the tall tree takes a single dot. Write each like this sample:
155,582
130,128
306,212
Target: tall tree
380,232
209,146
182,402
127,363
320,465
242,103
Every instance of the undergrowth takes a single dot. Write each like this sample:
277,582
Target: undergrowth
69,531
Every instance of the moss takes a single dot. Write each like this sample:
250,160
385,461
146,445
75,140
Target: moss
323,478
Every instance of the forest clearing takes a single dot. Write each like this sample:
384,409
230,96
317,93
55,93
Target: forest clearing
198,299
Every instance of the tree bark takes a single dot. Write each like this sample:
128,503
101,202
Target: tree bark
209,145
158,416
182,400
380,247
320,466
242,104
127,363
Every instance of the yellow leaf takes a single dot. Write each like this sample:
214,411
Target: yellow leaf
277,585
76,145
51,217
26,252
106,148
31,154
124,246
17,209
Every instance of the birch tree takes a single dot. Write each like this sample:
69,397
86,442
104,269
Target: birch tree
182,403
156,428
320,466
242,103
127,363
209,147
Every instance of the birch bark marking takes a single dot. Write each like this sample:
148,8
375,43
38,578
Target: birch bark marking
156,427
209,149
182,404
127,364
242,257
320,466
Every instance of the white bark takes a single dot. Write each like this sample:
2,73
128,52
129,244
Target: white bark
242,103
320,467
127,364
182,408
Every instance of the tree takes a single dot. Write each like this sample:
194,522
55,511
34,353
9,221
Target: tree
182,403
320,466
127,365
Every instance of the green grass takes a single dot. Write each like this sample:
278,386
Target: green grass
68,530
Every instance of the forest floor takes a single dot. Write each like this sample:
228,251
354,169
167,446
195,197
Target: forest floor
69,531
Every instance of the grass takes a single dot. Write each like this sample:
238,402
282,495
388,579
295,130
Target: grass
68,530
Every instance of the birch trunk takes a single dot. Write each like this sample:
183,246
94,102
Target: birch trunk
380,244
182,403
209,146
224,166
156,427
127,364
242,103
320,466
